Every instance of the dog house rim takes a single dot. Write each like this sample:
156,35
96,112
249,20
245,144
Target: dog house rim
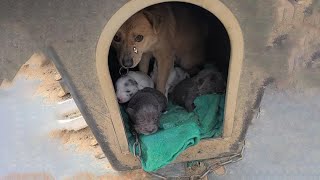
218,9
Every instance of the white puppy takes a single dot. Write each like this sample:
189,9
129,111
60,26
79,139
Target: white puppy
176,76
129,84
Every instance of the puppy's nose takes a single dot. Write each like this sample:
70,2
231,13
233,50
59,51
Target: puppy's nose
127,62
153,130
120,100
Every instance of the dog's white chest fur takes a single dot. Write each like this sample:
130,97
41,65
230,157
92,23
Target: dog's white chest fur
176,76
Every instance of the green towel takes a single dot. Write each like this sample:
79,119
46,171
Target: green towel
179,130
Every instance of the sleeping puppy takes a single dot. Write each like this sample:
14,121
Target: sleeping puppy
129,84
206,82
170,32
145,109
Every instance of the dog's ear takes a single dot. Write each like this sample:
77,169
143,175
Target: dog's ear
154,19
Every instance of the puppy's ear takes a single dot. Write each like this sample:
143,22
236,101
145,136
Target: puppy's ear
130,112
200,81
154,20
133,82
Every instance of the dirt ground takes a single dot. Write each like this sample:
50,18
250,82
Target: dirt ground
133,175
83,138
40,68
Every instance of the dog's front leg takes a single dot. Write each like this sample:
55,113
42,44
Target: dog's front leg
165,64
144,63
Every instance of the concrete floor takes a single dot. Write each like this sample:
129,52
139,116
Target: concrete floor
25,142
282,142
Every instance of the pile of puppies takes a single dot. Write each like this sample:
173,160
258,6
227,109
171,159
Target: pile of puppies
144,104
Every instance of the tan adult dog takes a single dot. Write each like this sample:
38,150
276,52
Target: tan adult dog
171,33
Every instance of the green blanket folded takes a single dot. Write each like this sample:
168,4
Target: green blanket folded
180,130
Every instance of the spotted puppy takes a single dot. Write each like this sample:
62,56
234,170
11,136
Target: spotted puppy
145,109
176,76
129,84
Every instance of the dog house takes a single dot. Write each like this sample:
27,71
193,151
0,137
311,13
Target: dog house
80,50
77,37
231,140
87,73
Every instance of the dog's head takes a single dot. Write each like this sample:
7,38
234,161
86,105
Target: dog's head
136,36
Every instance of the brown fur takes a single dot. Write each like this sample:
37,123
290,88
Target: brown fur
171,34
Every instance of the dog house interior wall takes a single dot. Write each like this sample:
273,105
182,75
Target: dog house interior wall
231,50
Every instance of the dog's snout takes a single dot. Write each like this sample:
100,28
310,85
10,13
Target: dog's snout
127,62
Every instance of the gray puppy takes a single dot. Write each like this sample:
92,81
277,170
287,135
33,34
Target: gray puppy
206,81
145,108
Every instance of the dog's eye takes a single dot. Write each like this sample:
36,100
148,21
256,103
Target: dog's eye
138,38
117,38
127,91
